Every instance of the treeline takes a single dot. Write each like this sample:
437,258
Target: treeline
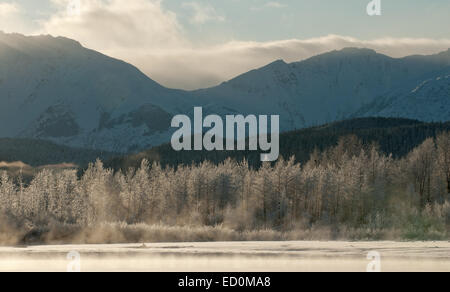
39,153
353,185
394,136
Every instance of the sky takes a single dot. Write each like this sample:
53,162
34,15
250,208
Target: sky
193,44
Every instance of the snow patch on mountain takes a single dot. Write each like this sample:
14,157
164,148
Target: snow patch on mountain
428,101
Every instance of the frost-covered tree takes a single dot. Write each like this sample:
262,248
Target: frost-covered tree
421,166
443,145
9,201
351,185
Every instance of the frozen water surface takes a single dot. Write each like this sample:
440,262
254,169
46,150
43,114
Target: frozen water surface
232,257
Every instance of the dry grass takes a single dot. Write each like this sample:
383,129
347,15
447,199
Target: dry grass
108,233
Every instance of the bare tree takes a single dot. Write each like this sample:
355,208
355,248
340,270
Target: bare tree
421,162
443,145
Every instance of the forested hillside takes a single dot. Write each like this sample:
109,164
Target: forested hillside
39,153
393,136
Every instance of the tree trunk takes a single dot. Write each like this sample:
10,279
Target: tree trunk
448,185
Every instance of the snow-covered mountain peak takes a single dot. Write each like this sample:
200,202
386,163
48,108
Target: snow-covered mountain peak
346,54
44,45
55,89
445,53
358,51
276,64
351,52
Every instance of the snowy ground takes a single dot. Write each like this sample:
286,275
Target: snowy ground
232,257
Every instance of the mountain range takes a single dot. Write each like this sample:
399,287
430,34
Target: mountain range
55,89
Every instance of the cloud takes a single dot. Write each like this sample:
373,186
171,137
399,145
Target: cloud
12,18
116,24
8,8
271,4
275,5
150,37
203,13
199,67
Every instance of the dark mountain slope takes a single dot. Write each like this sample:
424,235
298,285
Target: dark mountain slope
394,136
39,153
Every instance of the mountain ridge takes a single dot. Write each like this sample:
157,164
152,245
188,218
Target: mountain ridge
329,87
55,89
